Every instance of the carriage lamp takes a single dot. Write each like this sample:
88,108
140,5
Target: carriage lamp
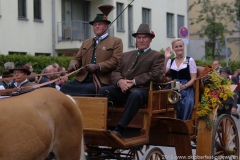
174,97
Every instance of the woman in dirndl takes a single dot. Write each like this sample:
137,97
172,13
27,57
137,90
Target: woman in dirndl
184,70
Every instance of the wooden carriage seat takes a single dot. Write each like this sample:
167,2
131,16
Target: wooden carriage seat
115,112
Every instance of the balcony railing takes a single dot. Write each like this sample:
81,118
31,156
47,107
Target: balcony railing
73,30
76,30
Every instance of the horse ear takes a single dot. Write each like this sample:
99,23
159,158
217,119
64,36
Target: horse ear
106,8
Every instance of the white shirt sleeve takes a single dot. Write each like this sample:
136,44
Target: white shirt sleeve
192,66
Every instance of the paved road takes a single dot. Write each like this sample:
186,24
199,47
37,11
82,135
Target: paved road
170,151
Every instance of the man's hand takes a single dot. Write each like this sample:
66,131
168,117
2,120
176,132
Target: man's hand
125,84
72,67
92,67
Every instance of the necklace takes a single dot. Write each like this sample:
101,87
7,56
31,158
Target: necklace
179,57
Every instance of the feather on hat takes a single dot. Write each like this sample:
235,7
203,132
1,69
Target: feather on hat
105,9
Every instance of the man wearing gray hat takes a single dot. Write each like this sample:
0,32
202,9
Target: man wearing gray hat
131,79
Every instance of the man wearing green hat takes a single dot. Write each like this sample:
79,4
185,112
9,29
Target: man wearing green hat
20,73
97,58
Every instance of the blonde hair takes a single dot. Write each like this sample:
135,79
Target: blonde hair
176,40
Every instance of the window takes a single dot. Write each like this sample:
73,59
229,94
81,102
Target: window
146,16
18,53
170,27
120,20
0,9
37,9
180,22
22,9
42,54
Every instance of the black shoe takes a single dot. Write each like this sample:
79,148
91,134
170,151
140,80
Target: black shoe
236,115
117,133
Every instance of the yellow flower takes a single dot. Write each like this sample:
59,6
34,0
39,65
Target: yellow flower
225,97
206,90
216,84
221,95
214,100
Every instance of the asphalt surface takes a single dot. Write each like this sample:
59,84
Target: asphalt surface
170,151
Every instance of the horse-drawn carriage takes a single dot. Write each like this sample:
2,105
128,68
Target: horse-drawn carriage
154,125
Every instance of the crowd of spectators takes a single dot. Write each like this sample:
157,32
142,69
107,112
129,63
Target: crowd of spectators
227,73
22,75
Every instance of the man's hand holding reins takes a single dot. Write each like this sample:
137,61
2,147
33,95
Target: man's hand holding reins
72,67
92,67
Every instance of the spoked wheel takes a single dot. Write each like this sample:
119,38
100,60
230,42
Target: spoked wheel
225,140
154,153
134,153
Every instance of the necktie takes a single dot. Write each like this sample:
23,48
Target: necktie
140,51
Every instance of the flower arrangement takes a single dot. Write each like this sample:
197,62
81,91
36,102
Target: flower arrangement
216,90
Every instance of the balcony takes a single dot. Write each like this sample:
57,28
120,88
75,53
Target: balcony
71,34
73,31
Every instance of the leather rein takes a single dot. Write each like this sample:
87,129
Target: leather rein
95,79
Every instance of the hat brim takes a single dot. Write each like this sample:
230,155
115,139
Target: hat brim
135,34
106,21
27,71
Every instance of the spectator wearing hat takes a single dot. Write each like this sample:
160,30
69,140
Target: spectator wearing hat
133,75
225,73
20,73
97,57
184,70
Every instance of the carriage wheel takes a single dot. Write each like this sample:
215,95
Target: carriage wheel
154,153
134,153
225,144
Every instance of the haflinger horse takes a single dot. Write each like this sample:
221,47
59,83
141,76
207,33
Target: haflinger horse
39,122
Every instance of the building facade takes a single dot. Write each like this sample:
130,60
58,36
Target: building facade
196,48
56,27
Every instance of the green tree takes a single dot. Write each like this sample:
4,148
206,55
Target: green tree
213,17
237,7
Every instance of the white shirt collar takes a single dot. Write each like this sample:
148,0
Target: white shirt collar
145,50
101,38
16,84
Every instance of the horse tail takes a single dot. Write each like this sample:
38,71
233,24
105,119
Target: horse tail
82,157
